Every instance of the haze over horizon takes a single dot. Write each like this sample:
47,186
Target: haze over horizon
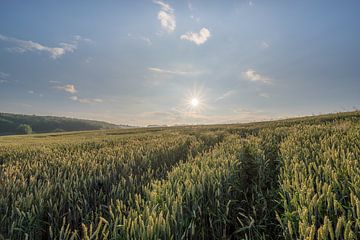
179,62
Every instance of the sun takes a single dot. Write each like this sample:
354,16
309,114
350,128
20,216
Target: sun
194,102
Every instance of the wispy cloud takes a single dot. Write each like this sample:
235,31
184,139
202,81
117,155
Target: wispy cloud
251,75
3,77
79,38
198,38
22,46
190,6
32,92
192,10
244,111
53,81
264,95
70,88
197,19
89,59
166,16
146,39
86,100
226,95
264,45
176,72
142,38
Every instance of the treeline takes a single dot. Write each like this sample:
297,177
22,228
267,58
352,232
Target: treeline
26,124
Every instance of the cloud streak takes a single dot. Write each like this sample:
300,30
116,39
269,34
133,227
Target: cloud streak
142,38
175,72
22,46
70,88
251,75
166,16
4,77
264,95
86,100
198,38
226,95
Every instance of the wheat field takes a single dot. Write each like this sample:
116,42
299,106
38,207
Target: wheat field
290,179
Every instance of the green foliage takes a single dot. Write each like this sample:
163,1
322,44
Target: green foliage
295,179
24,129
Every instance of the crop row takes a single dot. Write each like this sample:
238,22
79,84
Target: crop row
75,182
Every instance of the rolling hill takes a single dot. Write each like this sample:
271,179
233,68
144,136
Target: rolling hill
24,124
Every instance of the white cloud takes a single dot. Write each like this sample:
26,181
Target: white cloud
264,95
3,77
251,75
70,88
75,98
198,38
86,100
226,95
176,72
166,16
27,46
53,81
31,92
22,46
78,38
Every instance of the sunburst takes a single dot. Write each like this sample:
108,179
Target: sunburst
195,101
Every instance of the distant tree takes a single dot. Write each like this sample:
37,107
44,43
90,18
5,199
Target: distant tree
24,129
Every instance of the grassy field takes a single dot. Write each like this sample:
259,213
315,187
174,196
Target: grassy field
289,179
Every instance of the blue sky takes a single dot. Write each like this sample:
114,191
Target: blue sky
141,62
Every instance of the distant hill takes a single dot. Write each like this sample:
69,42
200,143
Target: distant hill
24,124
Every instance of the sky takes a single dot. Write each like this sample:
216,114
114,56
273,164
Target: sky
145,62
